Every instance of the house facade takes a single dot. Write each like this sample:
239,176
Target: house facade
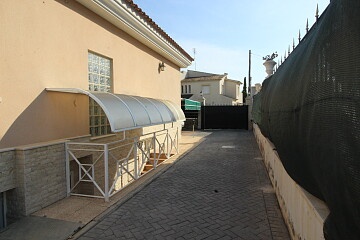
211,89
54,56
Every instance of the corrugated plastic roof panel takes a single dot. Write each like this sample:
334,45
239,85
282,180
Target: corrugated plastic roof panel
126,112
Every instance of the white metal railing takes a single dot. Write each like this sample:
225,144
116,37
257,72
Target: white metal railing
102,169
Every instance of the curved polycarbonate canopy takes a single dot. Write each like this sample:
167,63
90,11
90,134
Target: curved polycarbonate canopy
126,112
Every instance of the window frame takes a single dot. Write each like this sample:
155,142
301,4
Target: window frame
99,67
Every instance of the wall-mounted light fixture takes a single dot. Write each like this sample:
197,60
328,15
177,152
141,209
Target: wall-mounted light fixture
161,67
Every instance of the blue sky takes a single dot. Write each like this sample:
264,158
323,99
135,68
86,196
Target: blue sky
223,32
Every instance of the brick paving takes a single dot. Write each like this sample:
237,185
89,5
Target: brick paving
219,190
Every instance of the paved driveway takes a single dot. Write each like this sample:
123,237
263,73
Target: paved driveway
220,190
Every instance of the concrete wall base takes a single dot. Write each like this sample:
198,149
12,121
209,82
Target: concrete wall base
304,214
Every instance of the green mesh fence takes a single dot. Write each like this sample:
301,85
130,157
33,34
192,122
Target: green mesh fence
310,110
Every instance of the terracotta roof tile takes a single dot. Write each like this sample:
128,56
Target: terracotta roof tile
142,14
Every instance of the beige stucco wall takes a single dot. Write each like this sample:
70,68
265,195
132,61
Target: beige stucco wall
232,89
45,44
218,99
216,96
196,88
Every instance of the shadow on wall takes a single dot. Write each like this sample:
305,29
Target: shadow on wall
50,116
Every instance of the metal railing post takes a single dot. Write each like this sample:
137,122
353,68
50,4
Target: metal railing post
67,170
154,163
167,144
106,166
177,139
136,159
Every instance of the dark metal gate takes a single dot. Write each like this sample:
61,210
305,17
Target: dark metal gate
224,117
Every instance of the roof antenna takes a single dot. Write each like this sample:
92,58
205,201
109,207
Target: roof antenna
194,50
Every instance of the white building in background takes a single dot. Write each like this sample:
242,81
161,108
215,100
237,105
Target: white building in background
211,89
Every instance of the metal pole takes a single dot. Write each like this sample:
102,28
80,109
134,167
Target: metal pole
67,170
167,144
136,159
204,115
177,139
249,73
106,166
154,163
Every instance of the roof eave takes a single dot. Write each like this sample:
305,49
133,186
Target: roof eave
126,19
234,81
208,78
